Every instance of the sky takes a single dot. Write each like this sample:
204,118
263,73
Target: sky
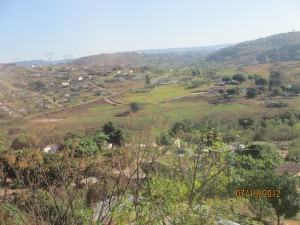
31,28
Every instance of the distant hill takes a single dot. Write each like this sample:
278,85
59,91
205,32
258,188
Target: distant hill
203,49
171,57
275,48
39,63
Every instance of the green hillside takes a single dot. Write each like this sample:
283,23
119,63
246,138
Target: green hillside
275,48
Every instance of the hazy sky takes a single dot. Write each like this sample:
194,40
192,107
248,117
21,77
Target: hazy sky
31,28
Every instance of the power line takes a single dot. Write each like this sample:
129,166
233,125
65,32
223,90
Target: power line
49,57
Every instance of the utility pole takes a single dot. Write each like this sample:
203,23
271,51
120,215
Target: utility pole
49,58
68,58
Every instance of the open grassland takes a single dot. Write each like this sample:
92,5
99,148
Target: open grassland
169,112
262,70
159,94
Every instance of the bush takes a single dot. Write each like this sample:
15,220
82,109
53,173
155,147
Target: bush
246,122
294,151
277,105
183,126
233,91
251,93
135,106
261,82
277,92
239,77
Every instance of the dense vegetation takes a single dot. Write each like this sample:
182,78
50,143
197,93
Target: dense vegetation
153,138
192,177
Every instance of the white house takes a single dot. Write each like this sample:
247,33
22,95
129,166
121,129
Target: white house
65,84
177,143
51,149
89,180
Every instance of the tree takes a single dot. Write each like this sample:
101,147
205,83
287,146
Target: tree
37,85
277,92
183,126
288,204
294,151
148,80
275,74
226,79
233,91
261,82
25,140
251,93
115,135
135,106
82,146
246,122
239,77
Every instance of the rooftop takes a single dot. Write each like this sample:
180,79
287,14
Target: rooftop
291,168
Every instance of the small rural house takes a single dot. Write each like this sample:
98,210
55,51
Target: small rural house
65,84
293,169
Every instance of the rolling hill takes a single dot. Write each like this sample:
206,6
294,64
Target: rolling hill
275,48
172,57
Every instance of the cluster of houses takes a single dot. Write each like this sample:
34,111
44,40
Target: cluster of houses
6,110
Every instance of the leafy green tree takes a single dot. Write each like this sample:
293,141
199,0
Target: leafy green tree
115,135
82,146
3,141
195,72
226,79
239,77
260,207
246,122
183,126
25,140
233,91
251,93
99,138
254,77
288,204
277,91
261,82
294,151
165,139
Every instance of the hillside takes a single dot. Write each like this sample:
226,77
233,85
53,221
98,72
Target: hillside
275,48
162,58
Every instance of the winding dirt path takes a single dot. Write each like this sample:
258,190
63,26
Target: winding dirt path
113,102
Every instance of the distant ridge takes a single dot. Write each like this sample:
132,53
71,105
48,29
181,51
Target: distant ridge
170,57
182,50
30,63
275,48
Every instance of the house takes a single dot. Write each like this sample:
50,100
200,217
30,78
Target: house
226,222
89,180
219,82
120,79
80,78
65,84
177,143
137,78
166,80
51,149
293,169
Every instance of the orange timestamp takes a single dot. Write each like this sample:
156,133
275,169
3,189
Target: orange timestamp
257,193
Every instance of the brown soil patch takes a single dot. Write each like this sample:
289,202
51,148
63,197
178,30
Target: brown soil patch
46,120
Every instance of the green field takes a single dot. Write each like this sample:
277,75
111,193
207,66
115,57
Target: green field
160,93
